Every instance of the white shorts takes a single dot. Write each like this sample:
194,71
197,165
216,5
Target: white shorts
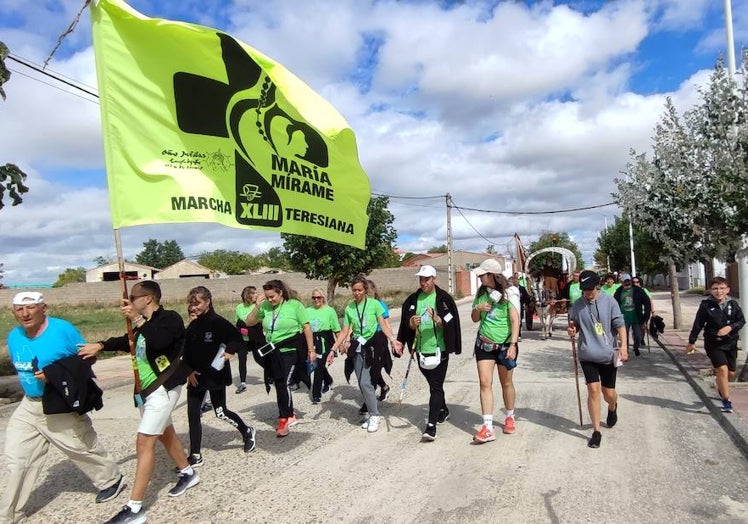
155,413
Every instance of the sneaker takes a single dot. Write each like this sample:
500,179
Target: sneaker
595,439
241,388
384,393
107,494
128,516
365,425
612,417
363,410
195,460
249,440
726,406
185,482
373,423
316,400
484,435
637,352
292,420
281,430
509,427
207,406
429,433
326,387
443,416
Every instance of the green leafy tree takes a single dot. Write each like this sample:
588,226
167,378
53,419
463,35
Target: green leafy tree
553,239
100,261
159,255
438,249
491,249
614,246
274,257
70,275
337,263
11,177
229,262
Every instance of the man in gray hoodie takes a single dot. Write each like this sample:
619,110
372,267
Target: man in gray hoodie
598,319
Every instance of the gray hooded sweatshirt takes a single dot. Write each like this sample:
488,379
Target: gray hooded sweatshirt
585,314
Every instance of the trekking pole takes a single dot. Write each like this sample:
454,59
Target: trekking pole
576,378
404,383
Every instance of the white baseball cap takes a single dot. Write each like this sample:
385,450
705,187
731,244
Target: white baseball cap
28,297
426,271
489,265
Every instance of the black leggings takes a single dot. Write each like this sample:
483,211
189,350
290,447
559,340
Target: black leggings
241,354
435,377
321,376
282,366
218,399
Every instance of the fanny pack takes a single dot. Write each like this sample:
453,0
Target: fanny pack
430,361
488,345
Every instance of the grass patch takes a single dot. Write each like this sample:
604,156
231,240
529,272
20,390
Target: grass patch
695,291
99,322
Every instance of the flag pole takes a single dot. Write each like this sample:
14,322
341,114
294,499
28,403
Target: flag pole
130,333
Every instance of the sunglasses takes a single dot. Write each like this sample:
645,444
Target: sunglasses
317,297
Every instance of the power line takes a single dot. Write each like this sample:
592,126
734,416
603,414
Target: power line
14,71
473,227
555,211
51,75
407,197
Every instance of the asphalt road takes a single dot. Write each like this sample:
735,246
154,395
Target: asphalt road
667,459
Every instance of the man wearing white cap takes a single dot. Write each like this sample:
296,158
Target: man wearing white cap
36,343
430,325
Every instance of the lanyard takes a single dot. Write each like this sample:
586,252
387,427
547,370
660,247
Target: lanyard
360,315
599,328
275,316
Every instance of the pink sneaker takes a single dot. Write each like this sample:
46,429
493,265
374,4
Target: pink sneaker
484,435
509,425
292,420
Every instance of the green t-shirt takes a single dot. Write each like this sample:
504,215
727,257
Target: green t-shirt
363,317
283,321
242,311
323,319
147,375
495,324
575,292
627,306
610,290
430,336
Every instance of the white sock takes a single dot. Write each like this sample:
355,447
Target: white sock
135,505
188,470
488,421
510,413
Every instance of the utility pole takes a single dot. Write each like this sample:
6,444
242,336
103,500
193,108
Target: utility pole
742,256
450,246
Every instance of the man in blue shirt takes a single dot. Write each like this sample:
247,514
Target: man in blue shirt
36,343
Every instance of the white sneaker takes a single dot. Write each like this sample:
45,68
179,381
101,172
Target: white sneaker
365,425
373,423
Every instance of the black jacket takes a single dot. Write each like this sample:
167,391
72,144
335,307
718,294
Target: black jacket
445,306
711,318
70,387
203,338
642,304
164,337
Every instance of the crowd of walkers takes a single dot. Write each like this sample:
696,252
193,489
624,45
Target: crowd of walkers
295,344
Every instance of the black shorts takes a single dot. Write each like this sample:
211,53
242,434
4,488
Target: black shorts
603,373
498,356
721,357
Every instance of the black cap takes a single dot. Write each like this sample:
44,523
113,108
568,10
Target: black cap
588,280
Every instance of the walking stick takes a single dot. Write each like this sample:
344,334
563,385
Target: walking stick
576,378
404,383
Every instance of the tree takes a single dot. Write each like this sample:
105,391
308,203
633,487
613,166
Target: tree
274,257
100,261
337,263
553,239
491,249
159,255
613,245
229,262
438,249
11,177
70,275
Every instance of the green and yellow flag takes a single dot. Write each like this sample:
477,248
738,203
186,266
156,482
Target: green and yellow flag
200,127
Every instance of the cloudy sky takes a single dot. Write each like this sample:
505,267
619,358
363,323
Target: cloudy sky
505,105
